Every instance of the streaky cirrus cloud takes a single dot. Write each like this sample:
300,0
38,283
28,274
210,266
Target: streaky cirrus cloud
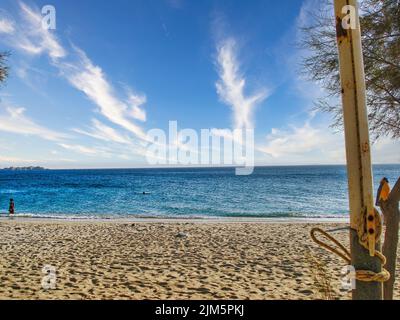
91,151
103,132
6,26
14,120
80,72
91,80
231,86
32,38
136,101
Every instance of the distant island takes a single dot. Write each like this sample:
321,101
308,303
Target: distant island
30,168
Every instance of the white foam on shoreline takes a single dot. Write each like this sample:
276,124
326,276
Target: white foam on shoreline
172,219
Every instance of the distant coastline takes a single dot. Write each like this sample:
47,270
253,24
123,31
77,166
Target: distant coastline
187,167
30,168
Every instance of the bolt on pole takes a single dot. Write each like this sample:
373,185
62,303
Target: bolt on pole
358,152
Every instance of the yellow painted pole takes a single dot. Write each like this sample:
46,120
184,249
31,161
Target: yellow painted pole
357,144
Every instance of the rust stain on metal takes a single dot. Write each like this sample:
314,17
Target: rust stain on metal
365,147
348,85
341,33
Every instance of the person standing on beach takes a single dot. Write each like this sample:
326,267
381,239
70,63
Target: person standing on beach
11,208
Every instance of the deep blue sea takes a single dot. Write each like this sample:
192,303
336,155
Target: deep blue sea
302,191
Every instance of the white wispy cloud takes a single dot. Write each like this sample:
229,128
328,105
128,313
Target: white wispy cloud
12,160
306,143
30,37
82,149
76,67
136,101
386,150
6,26
231,86
17,161
91,80
103,132
122,151
14,120
314,143
81,72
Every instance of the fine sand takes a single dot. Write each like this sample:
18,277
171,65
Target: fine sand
166,260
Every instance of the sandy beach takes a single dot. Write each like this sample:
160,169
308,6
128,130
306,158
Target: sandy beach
165,260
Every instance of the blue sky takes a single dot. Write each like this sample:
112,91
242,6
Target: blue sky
85,94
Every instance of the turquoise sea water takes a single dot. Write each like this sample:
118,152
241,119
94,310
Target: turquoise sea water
303,191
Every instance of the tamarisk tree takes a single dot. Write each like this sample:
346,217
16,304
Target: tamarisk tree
380,28
3,66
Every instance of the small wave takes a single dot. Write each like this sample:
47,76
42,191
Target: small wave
61,216
88,217
10,191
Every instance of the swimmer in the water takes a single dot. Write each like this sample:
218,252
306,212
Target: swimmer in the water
11,208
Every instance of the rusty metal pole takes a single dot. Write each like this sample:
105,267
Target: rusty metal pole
357,141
